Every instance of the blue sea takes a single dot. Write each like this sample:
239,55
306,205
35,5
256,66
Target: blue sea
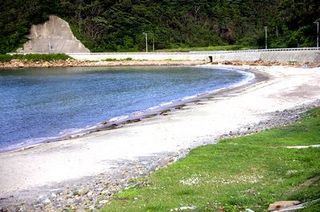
41,104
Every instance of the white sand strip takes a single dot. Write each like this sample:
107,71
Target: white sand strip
95,153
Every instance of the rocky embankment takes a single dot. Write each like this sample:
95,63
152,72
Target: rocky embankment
94,192
78,63
269,63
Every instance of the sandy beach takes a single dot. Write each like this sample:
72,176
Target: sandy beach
46,173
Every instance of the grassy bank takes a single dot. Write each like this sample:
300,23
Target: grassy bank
236,174
33,57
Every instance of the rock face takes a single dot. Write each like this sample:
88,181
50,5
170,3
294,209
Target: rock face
282,205
53,36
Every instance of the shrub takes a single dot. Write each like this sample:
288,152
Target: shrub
5,57
33,57
44,57
110,59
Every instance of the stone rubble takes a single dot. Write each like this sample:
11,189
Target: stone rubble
78,63
83,63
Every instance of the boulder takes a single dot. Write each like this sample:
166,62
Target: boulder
282,205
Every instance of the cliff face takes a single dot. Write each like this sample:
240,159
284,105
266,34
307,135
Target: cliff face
53,36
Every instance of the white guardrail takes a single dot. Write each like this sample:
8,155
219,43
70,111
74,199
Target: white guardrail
258,50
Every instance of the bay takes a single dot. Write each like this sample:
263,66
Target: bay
37,104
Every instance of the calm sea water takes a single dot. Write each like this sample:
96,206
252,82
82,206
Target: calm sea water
37,104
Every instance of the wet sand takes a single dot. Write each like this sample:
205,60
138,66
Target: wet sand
156,139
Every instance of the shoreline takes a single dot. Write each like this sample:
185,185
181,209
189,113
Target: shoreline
78,63
83,63
123,120
93,188
173,135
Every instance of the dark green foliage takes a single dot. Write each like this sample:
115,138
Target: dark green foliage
118,25
295,23
33,57
5,57
42,57
16,18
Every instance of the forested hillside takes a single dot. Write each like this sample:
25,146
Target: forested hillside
109,25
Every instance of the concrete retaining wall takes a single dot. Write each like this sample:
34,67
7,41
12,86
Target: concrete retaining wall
244,56
139,56
299,56
53,36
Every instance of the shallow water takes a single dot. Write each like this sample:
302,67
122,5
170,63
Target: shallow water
37,104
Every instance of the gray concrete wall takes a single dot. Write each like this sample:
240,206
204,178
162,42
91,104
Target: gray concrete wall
139,56
53,36
290,55
236,56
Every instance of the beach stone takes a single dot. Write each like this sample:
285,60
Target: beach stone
183,208
53,195
102,202
83,191
90,193
282,204
91,207
46,201
105,192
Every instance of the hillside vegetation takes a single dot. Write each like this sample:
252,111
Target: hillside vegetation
109,25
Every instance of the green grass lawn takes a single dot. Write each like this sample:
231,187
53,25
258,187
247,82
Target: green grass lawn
235,174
